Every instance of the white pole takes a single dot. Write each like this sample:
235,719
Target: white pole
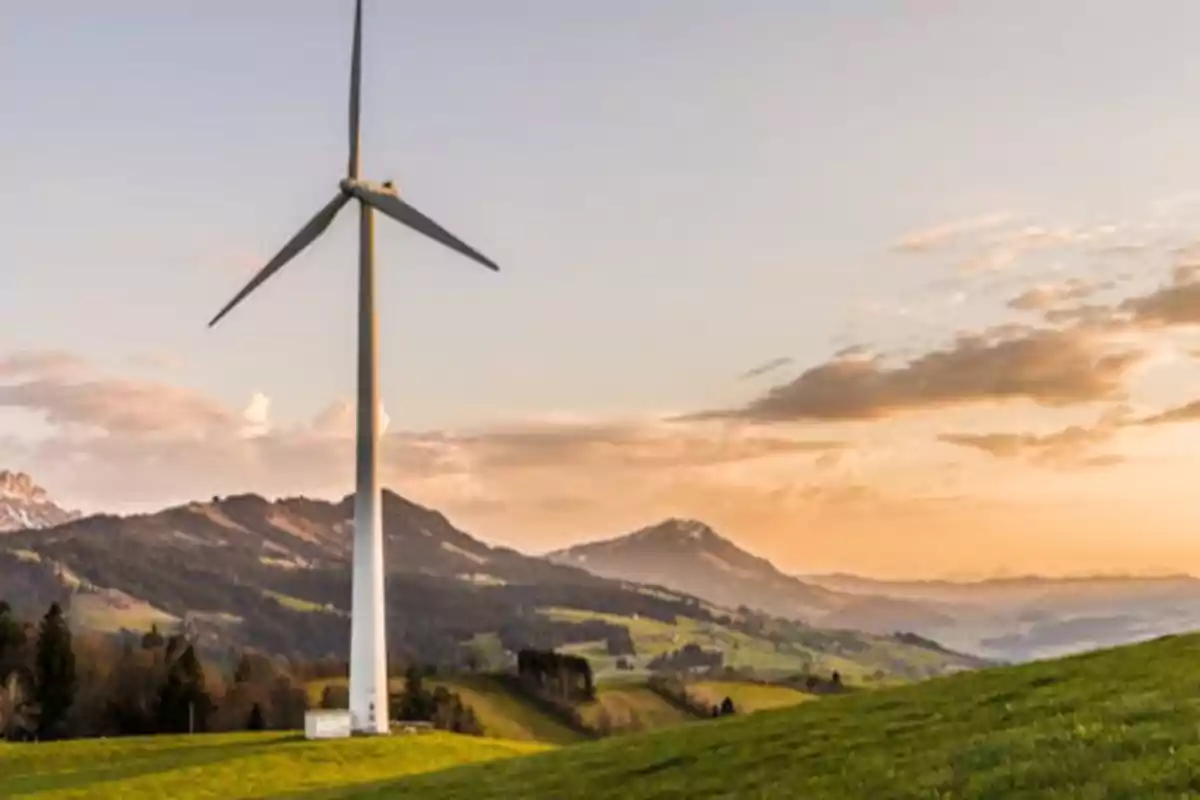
368,646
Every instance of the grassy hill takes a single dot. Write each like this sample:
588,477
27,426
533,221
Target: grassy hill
748,697
1123,723
861,658
502,712
1119,723
631,706
229,766
622,705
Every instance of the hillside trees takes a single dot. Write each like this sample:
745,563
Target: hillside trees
441,707
55,685
556,675
690,657
54,674
183,702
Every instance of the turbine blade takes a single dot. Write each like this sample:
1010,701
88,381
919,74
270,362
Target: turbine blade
307,235
355,91
389,203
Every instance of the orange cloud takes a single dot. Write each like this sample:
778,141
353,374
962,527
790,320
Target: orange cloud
1046,296
1051,367
1067,448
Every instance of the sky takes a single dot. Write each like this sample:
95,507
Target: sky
895,288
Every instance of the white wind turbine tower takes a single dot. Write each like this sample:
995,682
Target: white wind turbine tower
368,647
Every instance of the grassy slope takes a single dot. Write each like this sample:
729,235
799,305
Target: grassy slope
748,697
628,704
230,767
1122,723
503,713
653,638
506,715
631,706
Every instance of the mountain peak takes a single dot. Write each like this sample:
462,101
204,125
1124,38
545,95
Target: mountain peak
24,504
679,528
20,486
687,555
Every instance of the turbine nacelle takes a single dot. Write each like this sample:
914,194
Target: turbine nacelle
355,187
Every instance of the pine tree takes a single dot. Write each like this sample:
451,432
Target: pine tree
183,704
256,722
54,673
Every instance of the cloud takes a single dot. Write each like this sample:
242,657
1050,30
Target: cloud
1046,296
338,419
257,415
113,443
1185,413
941,235
768,366
117,406
41,363
1172,305
1047,366
1069,447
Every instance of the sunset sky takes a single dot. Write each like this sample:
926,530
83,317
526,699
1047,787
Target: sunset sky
897,288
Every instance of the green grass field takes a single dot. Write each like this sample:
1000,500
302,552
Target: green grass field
627,707
1122,723
757,654
504,714
231,767
748,697
623,704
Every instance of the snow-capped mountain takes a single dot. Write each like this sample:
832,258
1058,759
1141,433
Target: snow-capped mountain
24,504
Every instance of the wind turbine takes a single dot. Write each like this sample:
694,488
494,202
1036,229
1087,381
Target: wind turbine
368,648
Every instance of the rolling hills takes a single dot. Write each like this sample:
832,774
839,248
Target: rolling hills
1118,723
1011,619
246,572
1023,618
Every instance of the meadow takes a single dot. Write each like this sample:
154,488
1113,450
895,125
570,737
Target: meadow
1121,723
229,766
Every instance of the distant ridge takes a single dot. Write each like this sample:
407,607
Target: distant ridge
1013,618
689,556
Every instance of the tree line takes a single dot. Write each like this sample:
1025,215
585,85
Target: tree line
57,685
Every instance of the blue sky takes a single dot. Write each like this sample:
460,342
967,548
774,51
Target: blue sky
676,191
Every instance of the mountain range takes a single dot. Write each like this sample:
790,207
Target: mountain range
1014,619
243,571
